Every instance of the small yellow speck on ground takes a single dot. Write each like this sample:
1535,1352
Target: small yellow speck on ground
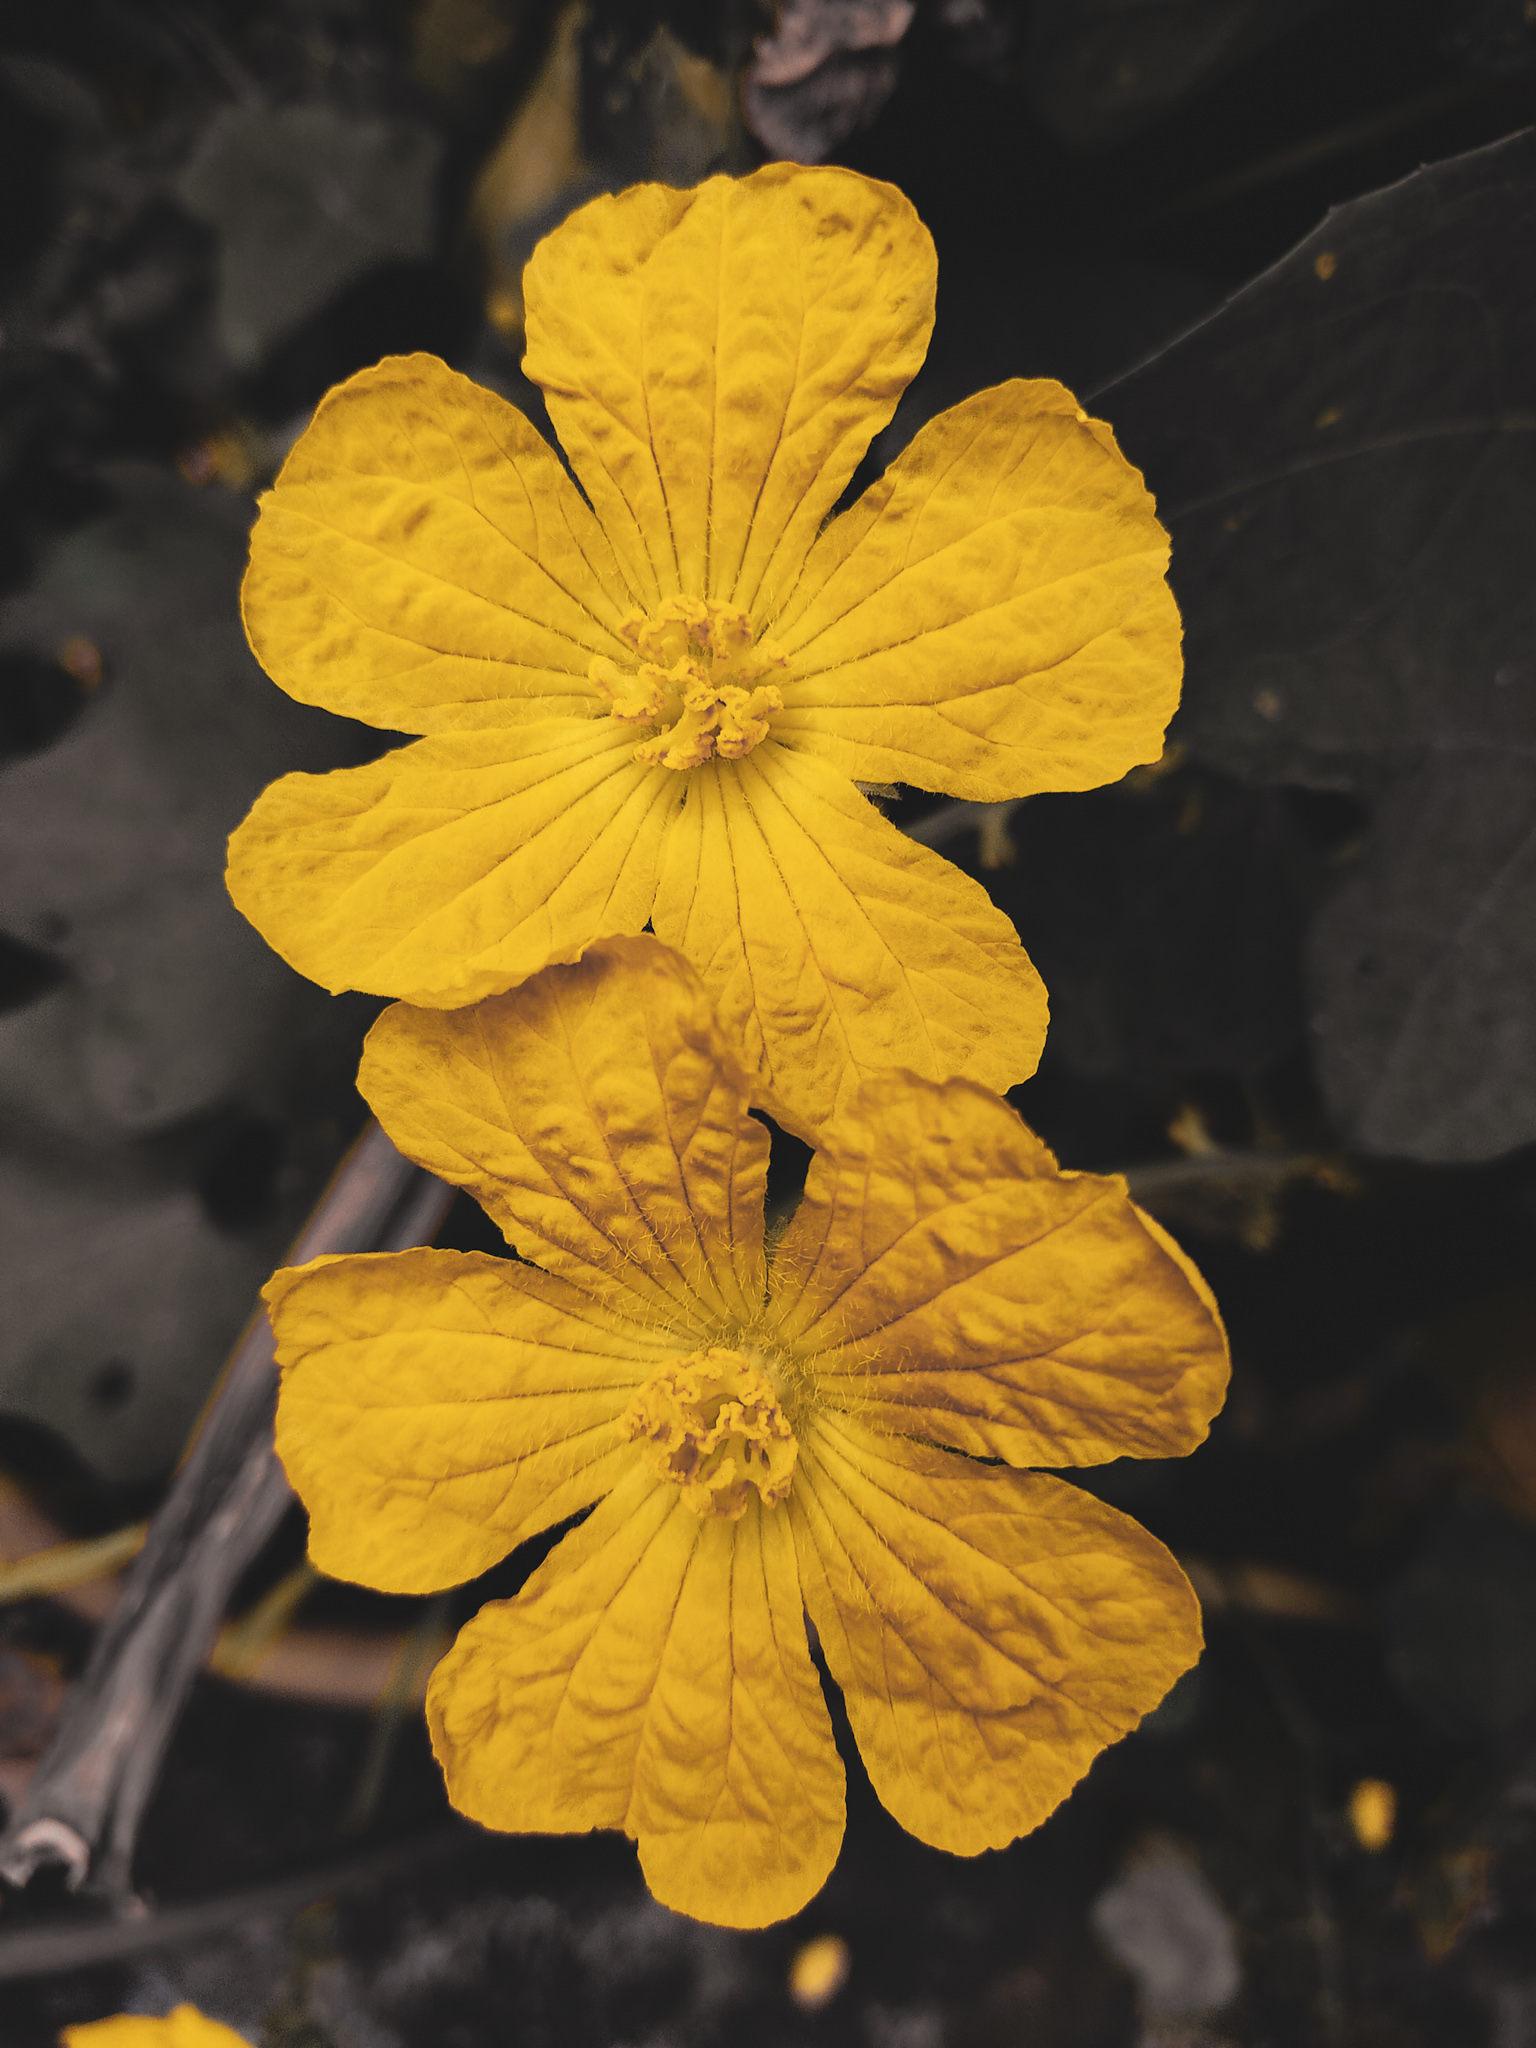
1373,1813
819,1971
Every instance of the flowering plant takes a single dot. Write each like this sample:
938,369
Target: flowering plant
655,696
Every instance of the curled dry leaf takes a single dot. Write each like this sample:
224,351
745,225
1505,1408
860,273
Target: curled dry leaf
827,70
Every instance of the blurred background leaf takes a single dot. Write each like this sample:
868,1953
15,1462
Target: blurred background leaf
149,1037
1100,70
304,201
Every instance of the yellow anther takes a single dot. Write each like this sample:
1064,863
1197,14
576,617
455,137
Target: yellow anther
687,744
730,633
712,1425
698,682
743,718
634,699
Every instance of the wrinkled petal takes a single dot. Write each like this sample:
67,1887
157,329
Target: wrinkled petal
991,617
653,1675
991,1631
454,868
424,563
946,1280
717,361
183,2027
833,944
600,1117
437,1408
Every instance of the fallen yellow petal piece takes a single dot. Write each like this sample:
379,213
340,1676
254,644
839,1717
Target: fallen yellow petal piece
649,695
762,1423
183,2027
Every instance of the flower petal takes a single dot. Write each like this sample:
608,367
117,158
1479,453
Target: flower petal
424,563
600,1117
946,1280
437,1408
833,944
717,361
738,1803
653,1675
991,617
991,1631
454,868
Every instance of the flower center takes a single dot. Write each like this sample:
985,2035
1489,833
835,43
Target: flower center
698,682
712,1424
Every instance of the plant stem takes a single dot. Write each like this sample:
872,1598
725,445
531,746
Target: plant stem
84,1806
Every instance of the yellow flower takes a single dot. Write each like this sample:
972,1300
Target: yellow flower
185,2027
653,702
764,1425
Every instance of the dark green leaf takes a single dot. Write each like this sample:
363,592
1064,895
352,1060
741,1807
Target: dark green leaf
1346,456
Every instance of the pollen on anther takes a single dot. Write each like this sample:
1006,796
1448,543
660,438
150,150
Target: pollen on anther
700,682
711,1424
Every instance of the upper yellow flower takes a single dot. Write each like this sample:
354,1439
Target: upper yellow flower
185,2027
653,702
762,1424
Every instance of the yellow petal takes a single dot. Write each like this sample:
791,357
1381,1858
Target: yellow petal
600,1117
991,1631
738,1802
833,944
991,617
717,361
183,2027
654,1676
439,1407
947,1281
424,563
454,868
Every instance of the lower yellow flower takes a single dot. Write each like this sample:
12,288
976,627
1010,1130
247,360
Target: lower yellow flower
767,1426
184,2027
712,1423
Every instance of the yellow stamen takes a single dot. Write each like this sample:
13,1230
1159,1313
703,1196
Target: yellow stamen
698,681
638,699
711,1423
